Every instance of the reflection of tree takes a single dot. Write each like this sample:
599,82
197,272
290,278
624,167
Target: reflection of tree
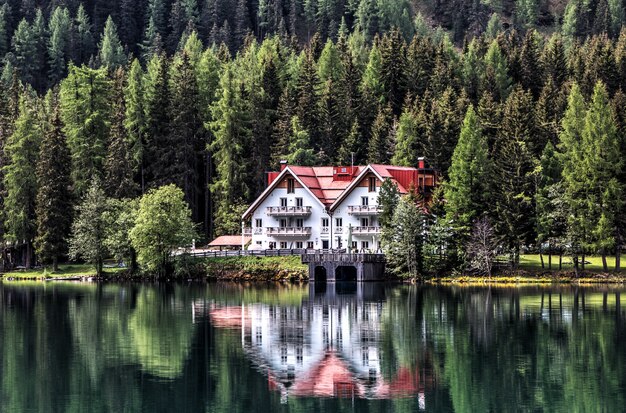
161,331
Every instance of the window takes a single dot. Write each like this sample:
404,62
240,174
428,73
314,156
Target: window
283,223
299,245
291,186
372,184
365,201
365,222
354,245
310,245
324,222
338,222
259,243
272,245
283,202
258,223
365,245
299,223
298,202
283,245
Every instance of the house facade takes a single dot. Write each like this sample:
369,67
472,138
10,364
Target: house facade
327,207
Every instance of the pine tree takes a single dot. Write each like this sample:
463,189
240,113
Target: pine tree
404,251
242,23
530,68
548,113
83,42
410,130
4,29
25,50
156,104
184,169
53,202
111,52
442,129
575,192
231,128
88,235
468,188
85,111
20,178
518,121
393,64
129,24
300,152
554,62
308,97
58,45
379,149
135,120
603,162
497,80
118,164
152,43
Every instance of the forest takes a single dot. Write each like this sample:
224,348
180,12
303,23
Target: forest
519,105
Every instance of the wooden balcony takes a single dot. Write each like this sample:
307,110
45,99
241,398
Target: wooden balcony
365,230
288,231
364,209
289,211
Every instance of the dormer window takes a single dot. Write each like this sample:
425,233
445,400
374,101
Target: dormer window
291,186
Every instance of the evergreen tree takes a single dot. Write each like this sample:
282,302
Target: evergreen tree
300,152
518,121
85,111
393,65
442,130
83,41
467,190
380,148
231,129
88,235
20,178
410,129
118,166
4,29
554,62
53,201
111,52
25,50
58,45
135,120
497,80
404,251
530,68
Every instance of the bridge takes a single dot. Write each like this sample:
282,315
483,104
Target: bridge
342,266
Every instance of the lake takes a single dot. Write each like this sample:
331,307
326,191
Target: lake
215,347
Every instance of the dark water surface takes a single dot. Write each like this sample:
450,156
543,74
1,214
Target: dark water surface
345,348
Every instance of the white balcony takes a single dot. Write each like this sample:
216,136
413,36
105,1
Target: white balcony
365,230
288,231
289,211
364,209
338,230
247,231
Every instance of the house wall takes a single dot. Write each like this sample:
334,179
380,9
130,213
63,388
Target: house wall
354,198
260,238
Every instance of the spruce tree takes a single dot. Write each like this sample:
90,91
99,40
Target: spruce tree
497,80
83,41
85,111
20,178
25,50
393,67
379,148
118,165
111,52
468,187
53,202
58,45
300,152
135,120
410,130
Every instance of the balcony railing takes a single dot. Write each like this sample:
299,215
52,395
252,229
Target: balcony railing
365,230
364,209
247,231
289,211
338,230
288,231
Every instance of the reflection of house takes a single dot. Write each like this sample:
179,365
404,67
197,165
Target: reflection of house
327,207
323,348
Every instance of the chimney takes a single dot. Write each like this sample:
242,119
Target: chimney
421,164
283,165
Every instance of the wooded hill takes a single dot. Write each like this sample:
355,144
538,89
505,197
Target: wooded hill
211,96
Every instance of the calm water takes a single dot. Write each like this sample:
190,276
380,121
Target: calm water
369,348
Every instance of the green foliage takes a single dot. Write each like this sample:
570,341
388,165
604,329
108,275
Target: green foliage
404,247
53,201
88,235
120,217
300,151
162,226
228,221
111,51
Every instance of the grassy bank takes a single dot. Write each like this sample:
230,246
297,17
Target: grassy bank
257,268
66,271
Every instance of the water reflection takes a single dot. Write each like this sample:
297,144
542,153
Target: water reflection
289,348
329,346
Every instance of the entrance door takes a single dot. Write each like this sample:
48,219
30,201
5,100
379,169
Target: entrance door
325,244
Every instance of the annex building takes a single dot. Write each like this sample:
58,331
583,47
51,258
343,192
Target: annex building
326,207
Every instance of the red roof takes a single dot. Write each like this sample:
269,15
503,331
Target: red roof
229,241
327,186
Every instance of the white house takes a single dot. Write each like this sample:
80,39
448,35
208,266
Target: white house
327,207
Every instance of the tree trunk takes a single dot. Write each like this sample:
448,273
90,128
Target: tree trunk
618,258
583,262
55,264
543,267
99,266
27,261
550,258
605,266
575,259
